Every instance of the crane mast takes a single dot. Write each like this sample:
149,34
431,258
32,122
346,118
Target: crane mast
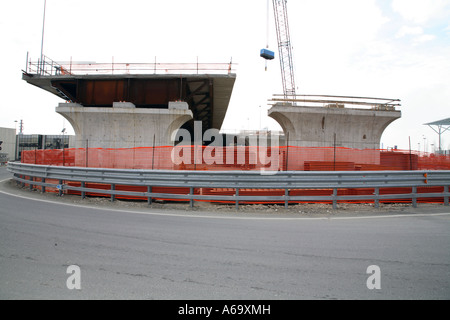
284,48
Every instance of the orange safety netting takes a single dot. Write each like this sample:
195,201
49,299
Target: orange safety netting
240,158
243,158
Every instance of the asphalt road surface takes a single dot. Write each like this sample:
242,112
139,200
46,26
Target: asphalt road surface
157,254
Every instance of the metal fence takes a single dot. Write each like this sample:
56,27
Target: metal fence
197,185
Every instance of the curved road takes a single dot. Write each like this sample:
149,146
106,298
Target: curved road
160,255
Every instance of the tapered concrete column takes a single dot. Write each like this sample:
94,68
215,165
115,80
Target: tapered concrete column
124,126
326,127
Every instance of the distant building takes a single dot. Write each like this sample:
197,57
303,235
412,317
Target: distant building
8,145
39,142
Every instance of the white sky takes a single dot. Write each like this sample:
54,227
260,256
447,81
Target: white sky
375,48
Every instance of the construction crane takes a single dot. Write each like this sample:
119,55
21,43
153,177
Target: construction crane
284,48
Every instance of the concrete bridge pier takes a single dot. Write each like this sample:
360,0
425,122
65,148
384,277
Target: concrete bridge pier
124,125
326,127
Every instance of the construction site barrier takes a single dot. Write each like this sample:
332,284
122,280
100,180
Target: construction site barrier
239,187
201,158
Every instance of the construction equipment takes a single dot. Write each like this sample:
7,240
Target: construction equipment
284,48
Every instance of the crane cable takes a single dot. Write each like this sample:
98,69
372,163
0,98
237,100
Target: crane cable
267,27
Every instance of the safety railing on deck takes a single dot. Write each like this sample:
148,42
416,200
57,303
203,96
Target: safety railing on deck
338,102
48,67
280,187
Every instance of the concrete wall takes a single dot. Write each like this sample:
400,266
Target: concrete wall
316,127
123,126
8,136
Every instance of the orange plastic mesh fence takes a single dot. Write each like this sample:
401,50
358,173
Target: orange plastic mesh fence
244,158
240,158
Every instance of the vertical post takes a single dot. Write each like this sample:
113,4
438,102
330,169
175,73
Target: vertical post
42,41
334,198
286,198
446,197
113,196
60,193
414,197
287,151
153,153
87,153
43,187
17,147
377,200
31,183
334,156
83,193
410,155
237,198
149,198
26,66
191,193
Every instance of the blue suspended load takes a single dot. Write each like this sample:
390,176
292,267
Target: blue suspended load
267,54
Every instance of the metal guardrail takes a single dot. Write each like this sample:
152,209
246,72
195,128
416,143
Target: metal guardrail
237,180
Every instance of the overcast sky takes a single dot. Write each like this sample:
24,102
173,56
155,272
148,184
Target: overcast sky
376,48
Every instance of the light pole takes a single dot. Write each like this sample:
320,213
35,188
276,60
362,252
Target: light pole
64,146
42,41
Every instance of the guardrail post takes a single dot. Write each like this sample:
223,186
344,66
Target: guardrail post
286,200
113,196
335,199
31,183
60,192
446,197
191,193
414,197
237,198
43,187
377,199
149,198
83,193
